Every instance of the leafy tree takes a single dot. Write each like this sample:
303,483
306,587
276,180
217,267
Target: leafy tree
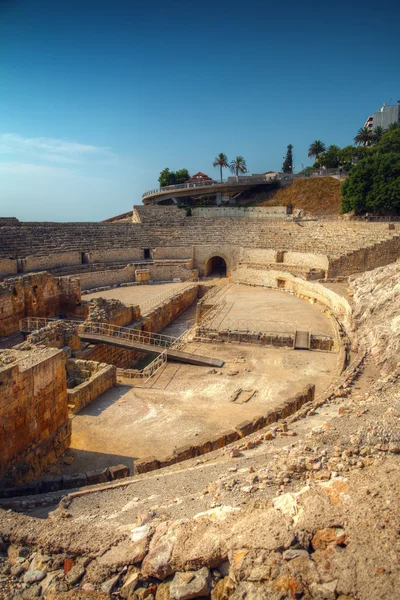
221,161
350,155
393,126
287,166
377,133
373,185
364,136
168,177
238,166
316,149
181,176
330,158
389,142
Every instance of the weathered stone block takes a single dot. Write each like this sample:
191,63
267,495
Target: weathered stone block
118,472
95,477
146,464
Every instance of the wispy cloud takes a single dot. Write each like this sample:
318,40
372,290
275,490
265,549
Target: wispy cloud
52,150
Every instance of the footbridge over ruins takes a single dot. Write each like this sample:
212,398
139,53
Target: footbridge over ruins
131,339
229,187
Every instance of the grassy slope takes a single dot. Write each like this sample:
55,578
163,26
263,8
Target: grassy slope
319,196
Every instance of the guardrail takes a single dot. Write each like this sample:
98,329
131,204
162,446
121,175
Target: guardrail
200,184
146,373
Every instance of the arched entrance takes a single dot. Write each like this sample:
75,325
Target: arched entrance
215,267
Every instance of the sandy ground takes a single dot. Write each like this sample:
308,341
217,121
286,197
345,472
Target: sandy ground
137,294
184,404
267,310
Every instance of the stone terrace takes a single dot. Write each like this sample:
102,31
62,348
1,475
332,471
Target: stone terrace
329,238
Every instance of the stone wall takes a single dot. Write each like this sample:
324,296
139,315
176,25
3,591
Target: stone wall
270,212
113,255
202,254
8,266
157,214
174,252
120,357
91,379
163,315
96,279
366,259
50,261
170,271
36,295
34,425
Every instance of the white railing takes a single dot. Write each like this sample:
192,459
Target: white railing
35,323
152,303
198,184
147,372
135,336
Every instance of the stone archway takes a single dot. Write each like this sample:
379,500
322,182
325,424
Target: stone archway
216,266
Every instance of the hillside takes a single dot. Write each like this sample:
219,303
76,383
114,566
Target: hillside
318,196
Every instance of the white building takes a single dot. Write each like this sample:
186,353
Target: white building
384,117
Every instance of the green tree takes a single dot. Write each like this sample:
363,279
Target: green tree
316,149
287,166
181,176
330,158
393,126
221,161
377,133
168,177
350,155
364,136
389,142
238,166
373,185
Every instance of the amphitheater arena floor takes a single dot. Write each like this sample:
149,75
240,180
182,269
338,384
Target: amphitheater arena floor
188,404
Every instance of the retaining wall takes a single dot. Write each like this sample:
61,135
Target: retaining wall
95,378
34,425
241,212
366,259
51,261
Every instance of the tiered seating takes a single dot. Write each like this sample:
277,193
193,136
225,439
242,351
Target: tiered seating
329,238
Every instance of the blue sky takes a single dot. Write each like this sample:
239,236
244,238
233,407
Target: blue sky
97,97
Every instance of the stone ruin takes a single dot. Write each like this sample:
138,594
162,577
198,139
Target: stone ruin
299,502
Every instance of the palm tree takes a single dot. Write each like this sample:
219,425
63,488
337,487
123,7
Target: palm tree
316,149
393,126
238,166
377,133
222,162
363,137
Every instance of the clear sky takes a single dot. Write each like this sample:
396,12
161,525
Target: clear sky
98,96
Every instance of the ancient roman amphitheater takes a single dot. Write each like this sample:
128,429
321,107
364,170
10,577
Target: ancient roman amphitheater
201,406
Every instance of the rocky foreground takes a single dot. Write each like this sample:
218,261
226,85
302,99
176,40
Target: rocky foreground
306,509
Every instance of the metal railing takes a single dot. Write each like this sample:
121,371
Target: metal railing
135,336
30,324
147,372
232,181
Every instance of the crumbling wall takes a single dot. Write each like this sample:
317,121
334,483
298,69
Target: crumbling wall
34,425
36,295
366,259
91,379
